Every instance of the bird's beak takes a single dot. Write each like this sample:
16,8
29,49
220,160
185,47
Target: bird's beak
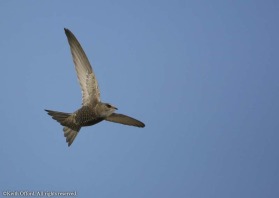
115,108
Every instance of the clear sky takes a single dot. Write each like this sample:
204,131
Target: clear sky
202,76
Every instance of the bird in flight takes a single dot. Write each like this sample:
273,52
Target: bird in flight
93,110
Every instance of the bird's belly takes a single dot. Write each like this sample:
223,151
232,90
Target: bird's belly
92,122
86,116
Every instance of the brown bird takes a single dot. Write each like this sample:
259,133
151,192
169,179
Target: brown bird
93,110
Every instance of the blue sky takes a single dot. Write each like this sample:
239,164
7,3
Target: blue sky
202,76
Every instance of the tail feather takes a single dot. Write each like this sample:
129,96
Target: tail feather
70,135
70,129
58,116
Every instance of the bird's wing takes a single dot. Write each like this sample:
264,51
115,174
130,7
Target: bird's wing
123,119
86,76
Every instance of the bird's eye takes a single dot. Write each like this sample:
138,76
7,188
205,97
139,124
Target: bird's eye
108,105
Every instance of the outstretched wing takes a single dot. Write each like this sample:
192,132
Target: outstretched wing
123,119
86,76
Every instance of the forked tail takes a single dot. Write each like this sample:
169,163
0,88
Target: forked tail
70,130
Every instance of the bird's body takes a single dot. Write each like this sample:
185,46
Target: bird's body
93,110
87,116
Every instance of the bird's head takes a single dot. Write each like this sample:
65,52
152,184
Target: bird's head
107,109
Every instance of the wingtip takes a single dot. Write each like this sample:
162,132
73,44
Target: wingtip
140,124
66,30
